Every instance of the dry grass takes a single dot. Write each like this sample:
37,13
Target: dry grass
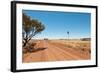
75,44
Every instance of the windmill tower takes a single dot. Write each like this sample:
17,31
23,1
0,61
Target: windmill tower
68,35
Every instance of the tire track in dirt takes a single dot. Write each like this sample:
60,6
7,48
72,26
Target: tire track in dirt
61,54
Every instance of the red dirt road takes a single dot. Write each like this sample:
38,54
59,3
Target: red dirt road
49,51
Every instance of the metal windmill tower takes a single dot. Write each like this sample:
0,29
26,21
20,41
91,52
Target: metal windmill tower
68,34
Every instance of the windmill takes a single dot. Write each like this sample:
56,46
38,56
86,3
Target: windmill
68,34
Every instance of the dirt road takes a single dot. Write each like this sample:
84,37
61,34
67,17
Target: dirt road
49,51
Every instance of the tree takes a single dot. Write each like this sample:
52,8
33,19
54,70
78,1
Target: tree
30,28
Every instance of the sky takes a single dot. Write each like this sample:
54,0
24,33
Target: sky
57,24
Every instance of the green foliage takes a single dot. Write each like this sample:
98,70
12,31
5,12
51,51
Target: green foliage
31,27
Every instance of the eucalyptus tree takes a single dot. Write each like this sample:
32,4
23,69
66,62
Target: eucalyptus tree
30,28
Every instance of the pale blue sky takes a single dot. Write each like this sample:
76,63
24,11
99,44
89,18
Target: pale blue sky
58,23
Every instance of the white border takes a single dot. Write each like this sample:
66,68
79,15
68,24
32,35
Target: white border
21,65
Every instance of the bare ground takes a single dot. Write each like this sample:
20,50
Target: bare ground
54,51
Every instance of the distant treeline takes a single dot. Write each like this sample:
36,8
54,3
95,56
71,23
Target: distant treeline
85,39
82,39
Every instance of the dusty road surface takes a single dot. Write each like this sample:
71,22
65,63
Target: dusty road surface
49,51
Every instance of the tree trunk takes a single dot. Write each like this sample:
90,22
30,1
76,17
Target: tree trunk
24,44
